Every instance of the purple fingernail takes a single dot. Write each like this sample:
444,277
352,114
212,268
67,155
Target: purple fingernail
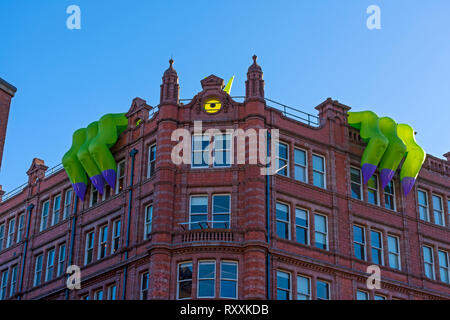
386,176
98,182
110,177
368,170
408,184
80,189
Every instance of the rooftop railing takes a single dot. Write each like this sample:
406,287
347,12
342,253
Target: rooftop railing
14,192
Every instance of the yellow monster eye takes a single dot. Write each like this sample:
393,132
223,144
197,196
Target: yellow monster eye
212,105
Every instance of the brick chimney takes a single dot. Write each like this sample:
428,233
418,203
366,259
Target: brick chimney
36,171
7,91
170,89
254,86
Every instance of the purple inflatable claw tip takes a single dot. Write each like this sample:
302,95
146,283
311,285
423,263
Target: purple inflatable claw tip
386,176
80,189
408,184
98,182
110,177
368,170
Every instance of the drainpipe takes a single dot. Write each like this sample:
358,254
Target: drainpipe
130,197
25,246
268,219
72,237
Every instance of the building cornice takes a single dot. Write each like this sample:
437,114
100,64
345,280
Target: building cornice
7,87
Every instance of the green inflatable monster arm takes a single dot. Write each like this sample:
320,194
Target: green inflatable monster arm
90,154
388,143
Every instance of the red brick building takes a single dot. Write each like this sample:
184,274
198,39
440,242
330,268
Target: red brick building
181,231
7,92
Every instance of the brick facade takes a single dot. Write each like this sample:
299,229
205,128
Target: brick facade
168,191
7,92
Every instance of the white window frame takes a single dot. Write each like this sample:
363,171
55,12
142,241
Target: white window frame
13,286
178,278
116,233
141,289
148,222
426,206
224,150
380,249
302,227
67,203
110,291
44,215
236,281
321,232
50,268
360,184
119,177
207,150
288,222
440,212
305,167
431,264
221,213
289,290
38,270
88,248
390,194
61,259
278,157
190,209
56,210
91,197
444,268
376,190
11,232
210,262
20,228
324,173
328,289
364,244
308,295
396,254
102,242
151,161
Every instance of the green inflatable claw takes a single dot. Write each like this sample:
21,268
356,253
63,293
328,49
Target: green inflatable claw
388,143
90,153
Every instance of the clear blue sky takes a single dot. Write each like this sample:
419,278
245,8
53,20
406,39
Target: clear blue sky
309,50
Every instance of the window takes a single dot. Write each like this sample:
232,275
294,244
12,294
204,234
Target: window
362,295
443,266
102,242
319,171
323,290
379,297
428,262
222,150
56,209
438,211
116,236
221,211
394,252
283,285
389,196
98,295
44,215
300,165
200,151
89,252
67,204
356,183
112,291
12,290
422,197
50,265
303,288
3,285
20,228
228,280
199,212
38,270
120,183
85,297
143,294
206,279
148,221
11,231
151,161
302,226
282,221
184,282
2,235
61,259
372,190
321,231
376,241
4,282
359,241
282,158
94,198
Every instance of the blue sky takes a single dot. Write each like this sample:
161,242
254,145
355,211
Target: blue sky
309,50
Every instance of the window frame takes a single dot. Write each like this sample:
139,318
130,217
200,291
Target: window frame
379,249
288,290
365,293
89,248
328,286
148,222
116,235
223,150
278,157
198,214
189,280
67,203
426,206
11,233
441,211
307,228
427,263
393,195
120,177
204,138
20,227
304,167
151,161
326,233
445,268
309,294
50,265
44,217
396,254
61,259
143,292
102,242
286,222
235,281
56,211
376,190
360,184
220,213
209,262
324,173
38,266
363,244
